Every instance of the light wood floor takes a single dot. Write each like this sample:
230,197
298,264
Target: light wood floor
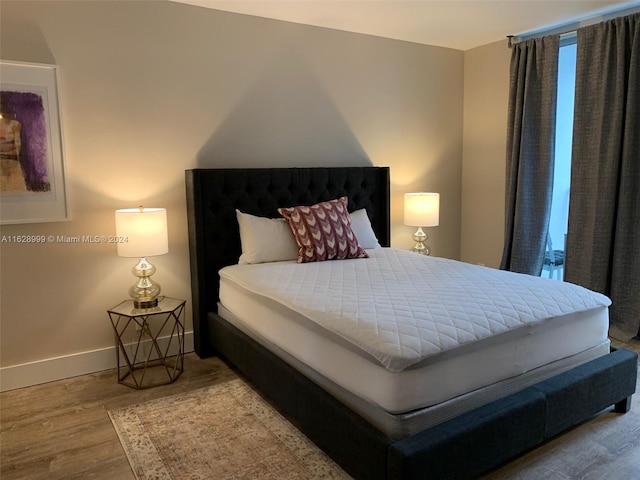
61,430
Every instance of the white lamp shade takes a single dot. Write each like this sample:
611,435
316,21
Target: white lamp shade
142,232
422,209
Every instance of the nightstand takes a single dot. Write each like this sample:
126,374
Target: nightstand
149,342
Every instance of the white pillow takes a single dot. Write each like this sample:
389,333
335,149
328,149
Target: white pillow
361,226
271,240
265,239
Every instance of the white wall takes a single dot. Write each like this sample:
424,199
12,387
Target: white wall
486,99
149,89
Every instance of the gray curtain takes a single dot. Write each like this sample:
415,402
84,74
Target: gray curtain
530,153
603,237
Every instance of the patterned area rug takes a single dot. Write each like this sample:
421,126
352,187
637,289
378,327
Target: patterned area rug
221,432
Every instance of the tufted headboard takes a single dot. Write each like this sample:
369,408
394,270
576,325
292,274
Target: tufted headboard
213,195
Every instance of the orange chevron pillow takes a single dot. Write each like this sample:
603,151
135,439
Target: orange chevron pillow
323,231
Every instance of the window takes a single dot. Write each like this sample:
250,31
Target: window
564,135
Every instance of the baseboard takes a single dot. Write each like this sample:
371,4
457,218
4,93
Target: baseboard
67,366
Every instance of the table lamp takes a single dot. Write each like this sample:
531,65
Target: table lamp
421,210
142,232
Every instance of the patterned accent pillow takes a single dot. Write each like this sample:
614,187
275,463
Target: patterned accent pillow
323,231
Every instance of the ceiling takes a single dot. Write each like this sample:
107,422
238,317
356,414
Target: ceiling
459,24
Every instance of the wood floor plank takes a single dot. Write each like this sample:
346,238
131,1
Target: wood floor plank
61,431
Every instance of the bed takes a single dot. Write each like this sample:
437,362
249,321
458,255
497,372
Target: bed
372,432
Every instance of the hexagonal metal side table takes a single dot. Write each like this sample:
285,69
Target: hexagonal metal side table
149,342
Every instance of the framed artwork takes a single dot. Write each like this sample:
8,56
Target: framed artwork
32,178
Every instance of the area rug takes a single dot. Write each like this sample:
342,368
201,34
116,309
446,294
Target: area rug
221,432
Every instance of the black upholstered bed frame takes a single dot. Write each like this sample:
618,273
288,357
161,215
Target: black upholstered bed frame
464,447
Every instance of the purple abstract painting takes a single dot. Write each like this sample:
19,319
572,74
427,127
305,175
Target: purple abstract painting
23,140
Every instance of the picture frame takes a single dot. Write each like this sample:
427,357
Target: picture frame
32,177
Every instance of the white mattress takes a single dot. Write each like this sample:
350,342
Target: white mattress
431,379
402,425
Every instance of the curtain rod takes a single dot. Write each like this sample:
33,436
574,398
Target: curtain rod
571,27
566,38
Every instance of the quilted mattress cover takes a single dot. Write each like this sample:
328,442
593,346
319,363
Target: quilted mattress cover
400,309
